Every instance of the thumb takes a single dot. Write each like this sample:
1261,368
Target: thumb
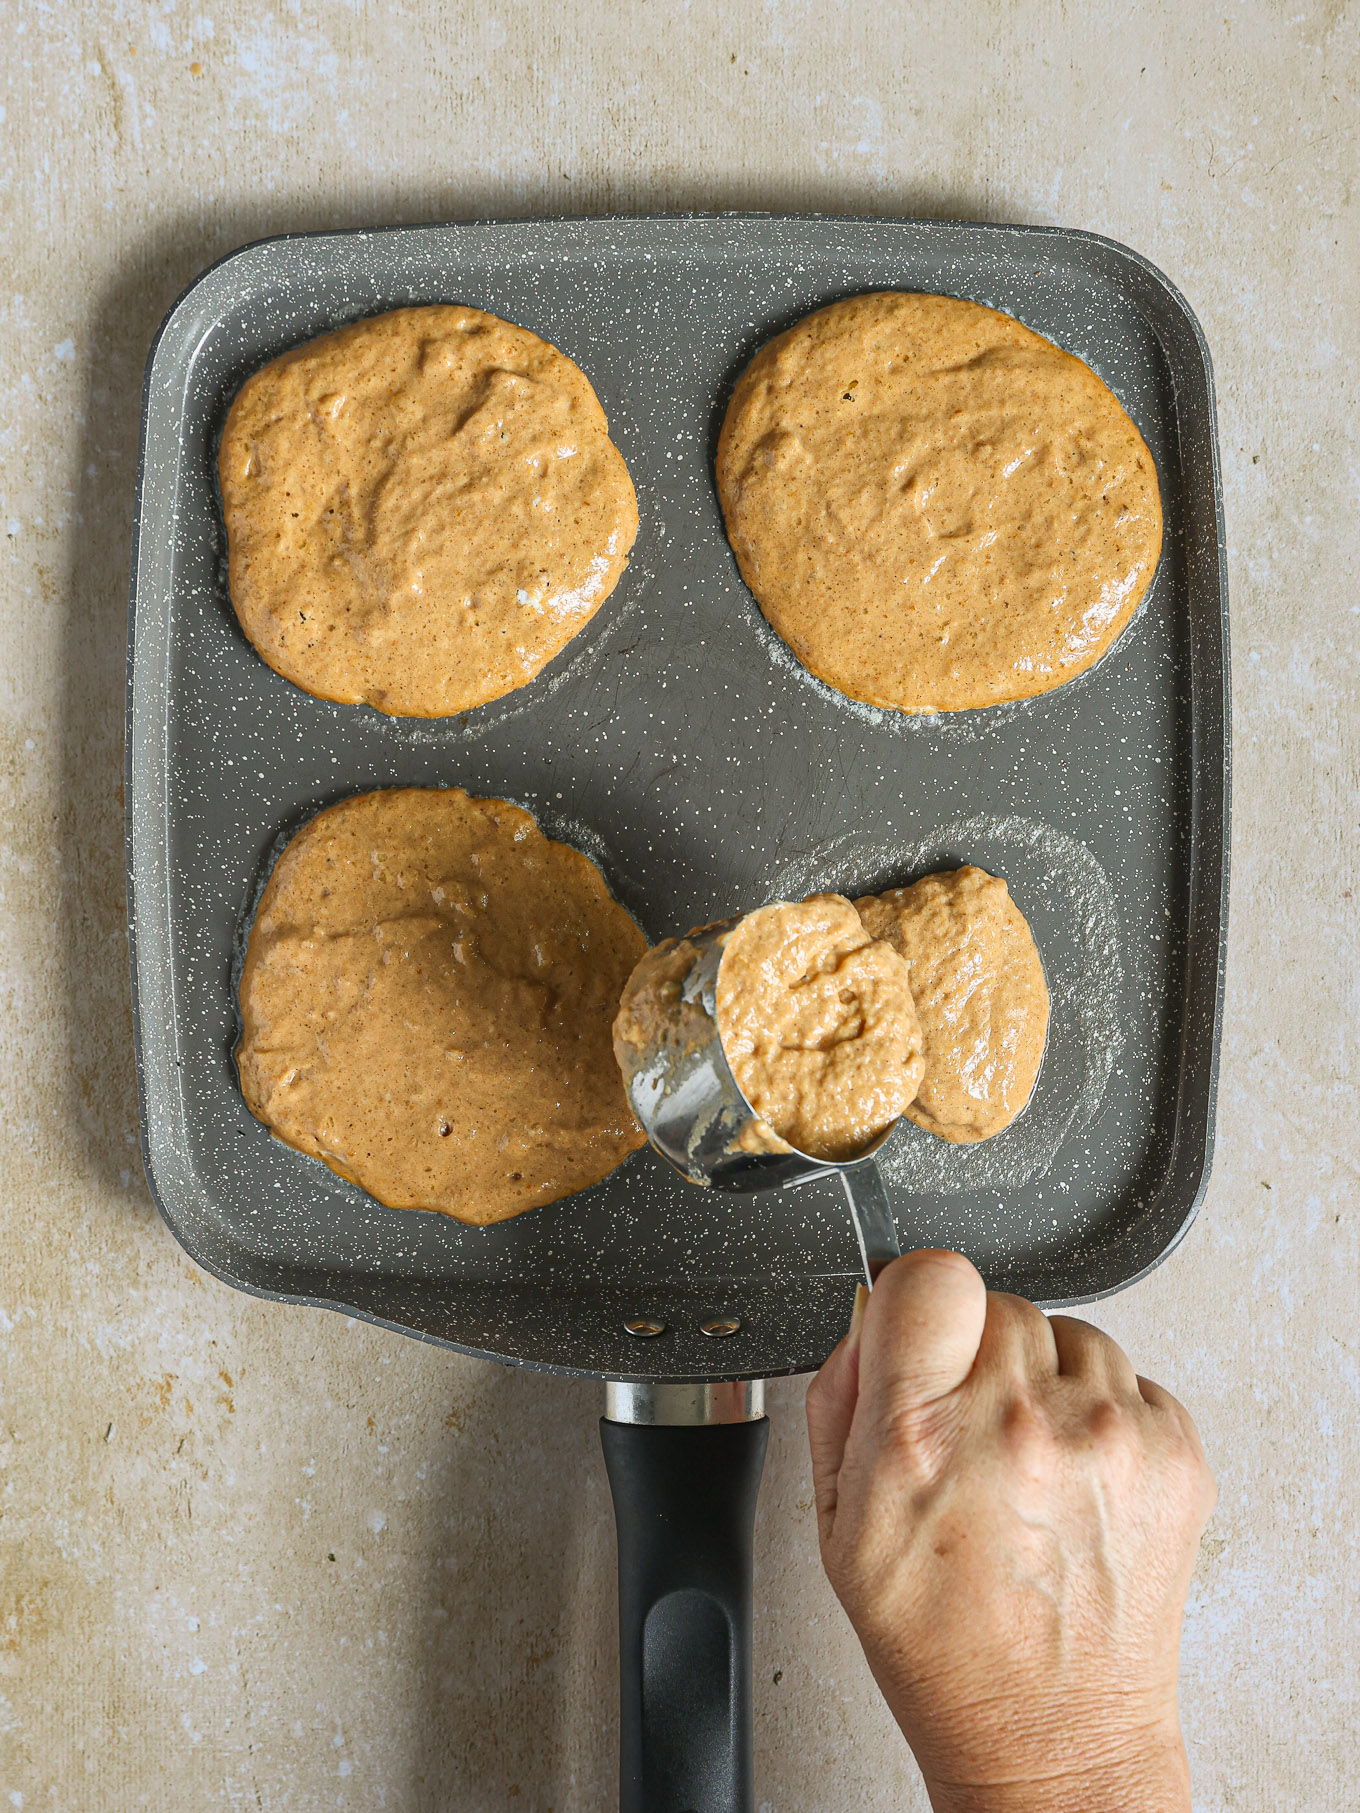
830,1410
922,1330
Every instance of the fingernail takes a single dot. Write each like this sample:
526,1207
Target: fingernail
857,1317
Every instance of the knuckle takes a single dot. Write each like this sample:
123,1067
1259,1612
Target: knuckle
1030,1439
1103,1350
1118,1441
1112,1425
1008,1308
1018,1329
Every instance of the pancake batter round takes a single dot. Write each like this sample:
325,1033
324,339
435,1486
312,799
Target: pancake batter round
817,1025
936,508
422,509
426,999
980,993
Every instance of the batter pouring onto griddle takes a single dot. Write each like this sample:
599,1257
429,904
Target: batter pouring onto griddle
1007,1512
979,990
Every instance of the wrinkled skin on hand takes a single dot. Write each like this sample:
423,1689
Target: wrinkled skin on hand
1010,1516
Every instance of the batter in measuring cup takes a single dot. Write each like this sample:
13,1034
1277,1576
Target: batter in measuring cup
979,990
935,507
817,1024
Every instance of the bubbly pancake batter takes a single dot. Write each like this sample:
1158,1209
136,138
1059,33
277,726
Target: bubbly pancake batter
817,1024
936,508
980,993
652,1009
427,997
422,509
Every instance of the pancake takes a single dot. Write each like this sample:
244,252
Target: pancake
426,1004
979,989
817,1024
936,508
422,509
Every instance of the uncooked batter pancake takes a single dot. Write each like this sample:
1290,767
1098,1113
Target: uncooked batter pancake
979,990
936,508
422,510
427,997
817,1024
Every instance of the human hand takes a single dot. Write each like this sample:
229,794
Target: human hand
1010,1516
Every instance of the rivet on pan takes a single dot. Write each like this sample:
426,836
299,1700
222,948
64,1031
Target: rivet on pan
721,1325
642,1326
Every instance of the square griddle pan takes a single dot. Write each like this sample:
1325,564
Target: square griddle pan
678,742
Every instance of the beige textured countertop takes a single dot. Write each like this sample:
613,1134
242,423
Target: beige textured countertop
260,1557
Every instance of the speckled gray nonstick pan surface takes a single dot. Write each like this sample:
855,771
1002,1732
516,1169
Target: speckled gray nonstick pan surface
677,739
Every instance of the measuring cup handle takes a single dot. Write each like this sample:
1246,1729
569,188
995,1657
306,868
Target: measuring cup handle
872,1215
684,1503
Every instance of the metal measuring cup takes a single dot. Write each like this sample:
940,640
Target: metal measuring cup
688,1103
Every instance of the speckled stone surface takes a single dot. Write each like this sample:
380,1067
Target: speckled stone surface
262,1557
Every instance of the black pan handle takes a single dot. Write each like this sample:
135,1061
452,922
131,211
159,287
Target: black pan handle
684,1505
